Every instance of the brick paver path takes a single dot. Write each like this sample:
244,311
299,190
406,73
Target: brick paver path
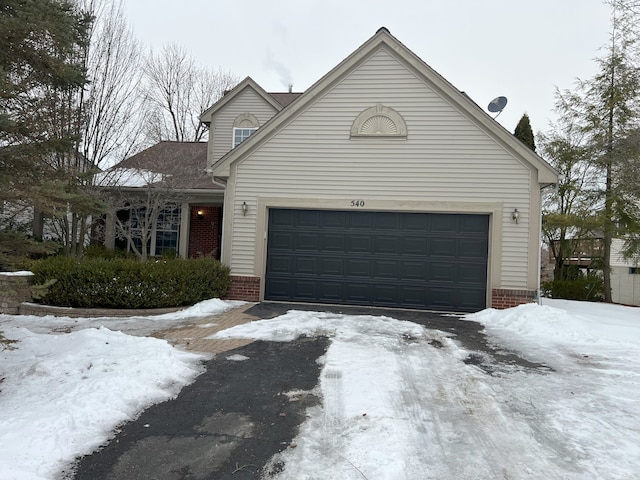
192,336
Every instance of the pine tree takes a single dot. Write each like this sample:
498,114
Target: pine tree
524,133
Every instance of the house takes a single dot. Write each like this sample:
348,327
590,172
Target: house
625,276
381,185
189,217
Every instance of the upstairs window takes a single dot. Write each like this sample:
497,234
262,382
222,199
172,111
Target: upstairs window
243,127
241,134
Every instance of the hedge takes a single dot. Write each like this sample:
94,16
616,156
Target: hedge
130,283
588,287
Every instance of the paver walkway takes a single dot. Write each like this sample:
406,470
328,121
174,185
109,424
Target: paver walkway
193,336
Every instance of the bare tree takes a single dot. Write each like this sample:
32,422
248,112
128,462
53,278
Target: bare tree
177,92
111,128
102,117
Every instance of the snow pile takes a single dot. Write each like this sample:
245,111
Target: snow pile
62,395
135,325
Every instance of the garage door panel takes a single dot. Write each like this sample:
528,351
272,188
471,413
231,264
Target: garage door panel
306,265
329,291
472,248
359,243
335,220
444,223
279,263
331,266
332,242
414,270
442,272
442,247
307,241
357,292
385,269
358,267
386,221
411,260
386,244
305,289
282,241
475,224
411,245
360,220
474,274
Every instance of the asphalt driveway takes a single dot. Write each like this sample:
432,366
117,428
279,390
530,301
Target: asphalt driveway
240,412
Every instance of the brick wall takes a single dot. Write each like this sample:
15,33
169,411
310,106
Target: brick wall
204,232
244,288
506,298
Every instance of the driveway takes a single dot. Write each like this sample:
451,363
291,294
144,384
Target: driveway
249,403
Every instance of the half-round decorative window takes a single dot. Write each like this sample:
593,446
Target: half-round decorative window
246,120
379,121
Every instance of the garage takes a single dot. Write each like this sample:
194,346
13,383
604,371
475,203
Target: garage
434,261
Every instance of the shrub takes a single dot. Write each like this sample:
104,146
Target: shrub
129,283
588,287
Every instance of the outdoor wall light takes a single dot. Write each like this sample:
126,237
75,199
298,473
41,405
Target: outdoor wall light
245,208
200,213
515,216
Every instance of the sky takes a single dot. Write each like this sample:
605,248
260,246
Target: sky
397,400
490,48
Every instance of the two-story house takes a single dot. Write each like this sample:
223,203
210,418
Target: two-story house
382,184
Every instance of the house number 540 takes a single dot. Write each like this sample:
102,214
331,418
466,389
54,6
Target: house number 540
357,203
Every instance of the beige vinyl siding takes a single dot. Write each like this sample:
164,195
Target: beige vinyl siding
246,101
445,158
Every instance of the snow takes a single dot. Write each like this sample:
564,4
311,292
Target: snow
21,273
397,399
64,394
128,177
399,402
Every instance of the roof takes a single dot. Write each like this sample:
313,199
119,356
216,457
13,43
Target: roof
185,162
248,82
285,98
546,173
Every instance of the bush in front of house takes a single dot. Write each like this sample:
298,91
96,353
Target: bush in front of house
129,283
589,287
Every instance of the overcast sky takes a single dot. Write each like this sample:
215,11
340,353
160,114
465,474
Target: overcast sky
487,48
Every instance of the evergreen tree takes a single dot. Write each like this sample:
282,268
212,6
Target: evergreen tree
607,109
524,133
39,40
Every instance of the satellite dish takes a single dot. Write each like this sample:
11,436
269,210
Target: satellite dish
497,105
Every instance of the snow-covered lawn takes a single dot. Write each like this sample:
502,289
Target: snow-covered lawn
398,400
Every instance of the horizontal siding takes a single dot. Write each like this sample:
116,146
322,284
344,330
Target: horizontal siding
445,158
246,101
617,259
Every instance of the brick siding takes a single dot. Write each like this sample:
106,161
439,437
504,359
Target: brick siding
244,288
204,232
505,298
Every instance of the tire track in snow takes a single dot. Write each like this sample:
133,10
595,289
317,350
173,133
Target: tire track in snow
459,429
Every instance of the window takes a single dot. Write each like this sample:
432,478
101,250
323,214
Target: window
164,237
241,134
634,270
243,126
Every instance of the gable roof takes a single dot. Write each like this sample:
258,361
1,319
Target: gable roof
383,38
248,82
185,162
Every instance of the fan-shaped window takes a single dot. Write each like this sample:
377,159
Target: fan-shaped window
379,121
243,126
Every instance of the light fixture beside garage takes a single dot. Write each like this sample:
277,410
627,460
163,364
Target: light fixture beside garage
245,208
515,216
200,213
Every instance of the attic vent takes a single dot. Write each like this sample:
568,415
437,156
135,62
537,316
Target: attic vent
379,121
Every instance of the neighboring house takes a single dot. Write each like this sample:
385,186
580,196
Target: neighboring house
381,185
190,223
625,276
